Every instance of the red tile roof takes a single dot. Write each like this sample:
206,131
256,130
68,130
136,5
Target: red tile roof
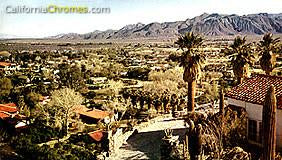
96,135
254,89
5,64
97,114
3,115
8,108
11,104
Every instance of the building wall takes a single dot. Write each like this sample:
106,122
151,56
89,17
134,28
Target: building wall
254,112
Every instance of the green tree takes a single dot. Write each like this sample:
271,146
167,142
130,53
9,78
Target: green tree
43,88
5,89
170,81
241,58
192,62
210,93
71,77
140,73
32,99
64,102
112,70
23,107
267,47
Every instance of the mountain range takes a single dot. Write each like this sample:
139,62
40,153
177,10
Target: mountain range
205,24
8,36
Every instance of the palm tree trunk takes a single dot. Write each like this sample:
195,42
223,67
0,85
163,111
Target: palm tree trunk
191,96
269,125
267,72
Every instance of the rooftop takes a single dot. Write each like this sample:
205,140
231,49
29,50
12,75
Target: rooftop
4,64
3,115
95,113
254,89
8,108
11,104
96,135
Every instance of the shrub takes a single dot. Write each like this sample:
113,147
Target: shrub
221,132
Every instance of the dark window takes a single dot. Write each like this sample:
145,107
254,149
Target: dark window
260,132
252,130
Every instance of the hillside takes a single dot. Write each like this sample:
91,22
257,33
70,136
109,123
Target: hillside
205,24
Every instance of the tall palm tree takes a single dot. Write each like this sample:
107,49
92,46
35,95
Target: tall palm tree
241,58
266,47
192,63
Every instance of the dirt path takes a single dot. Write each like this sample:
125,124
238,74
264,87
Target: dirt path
146,144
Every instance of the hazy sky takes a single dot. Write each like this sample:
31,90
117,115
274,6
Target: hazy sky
123,12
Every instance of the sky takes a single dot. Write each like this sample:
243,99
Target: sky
123,12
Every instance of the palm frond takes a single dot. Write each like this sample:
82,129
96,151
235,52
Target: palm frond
266,47
190,59
241,56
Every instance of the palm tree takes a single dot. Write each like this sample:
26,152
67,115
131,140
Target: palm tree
240,58
266,48
192,63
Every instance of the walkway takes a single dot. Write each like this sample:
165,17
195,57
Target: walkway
146,143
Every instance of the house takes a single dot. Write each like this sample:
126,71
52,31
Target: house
97,135
99,80
8,68
10,117
93,116
8,110
101,137
5,65
250,96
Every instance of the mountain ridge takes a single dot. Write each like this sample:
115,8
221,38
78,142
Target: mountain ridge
206,24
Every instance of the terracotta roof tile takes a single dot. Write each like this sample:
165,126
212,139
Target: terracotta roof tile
10,104
254,89
96,135
97,114
5,64
8,108
3,115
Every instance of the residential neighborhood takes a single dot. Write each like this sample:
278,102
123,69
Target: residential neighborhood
89,102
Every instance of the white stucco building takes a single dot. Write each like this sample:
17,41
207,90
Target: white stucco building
250,95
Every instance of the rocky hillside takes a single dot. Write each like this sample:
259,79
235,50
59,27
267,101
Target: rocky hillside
206,24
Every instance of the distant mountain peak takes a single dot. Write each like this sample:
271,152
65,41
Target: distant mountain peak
207,24
132,26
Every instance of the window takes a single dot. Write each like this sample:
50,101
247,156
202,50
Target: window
252,130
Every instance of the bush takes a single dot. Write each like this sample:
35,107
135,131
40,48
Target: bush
221,132
138,73
27,150
41,133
